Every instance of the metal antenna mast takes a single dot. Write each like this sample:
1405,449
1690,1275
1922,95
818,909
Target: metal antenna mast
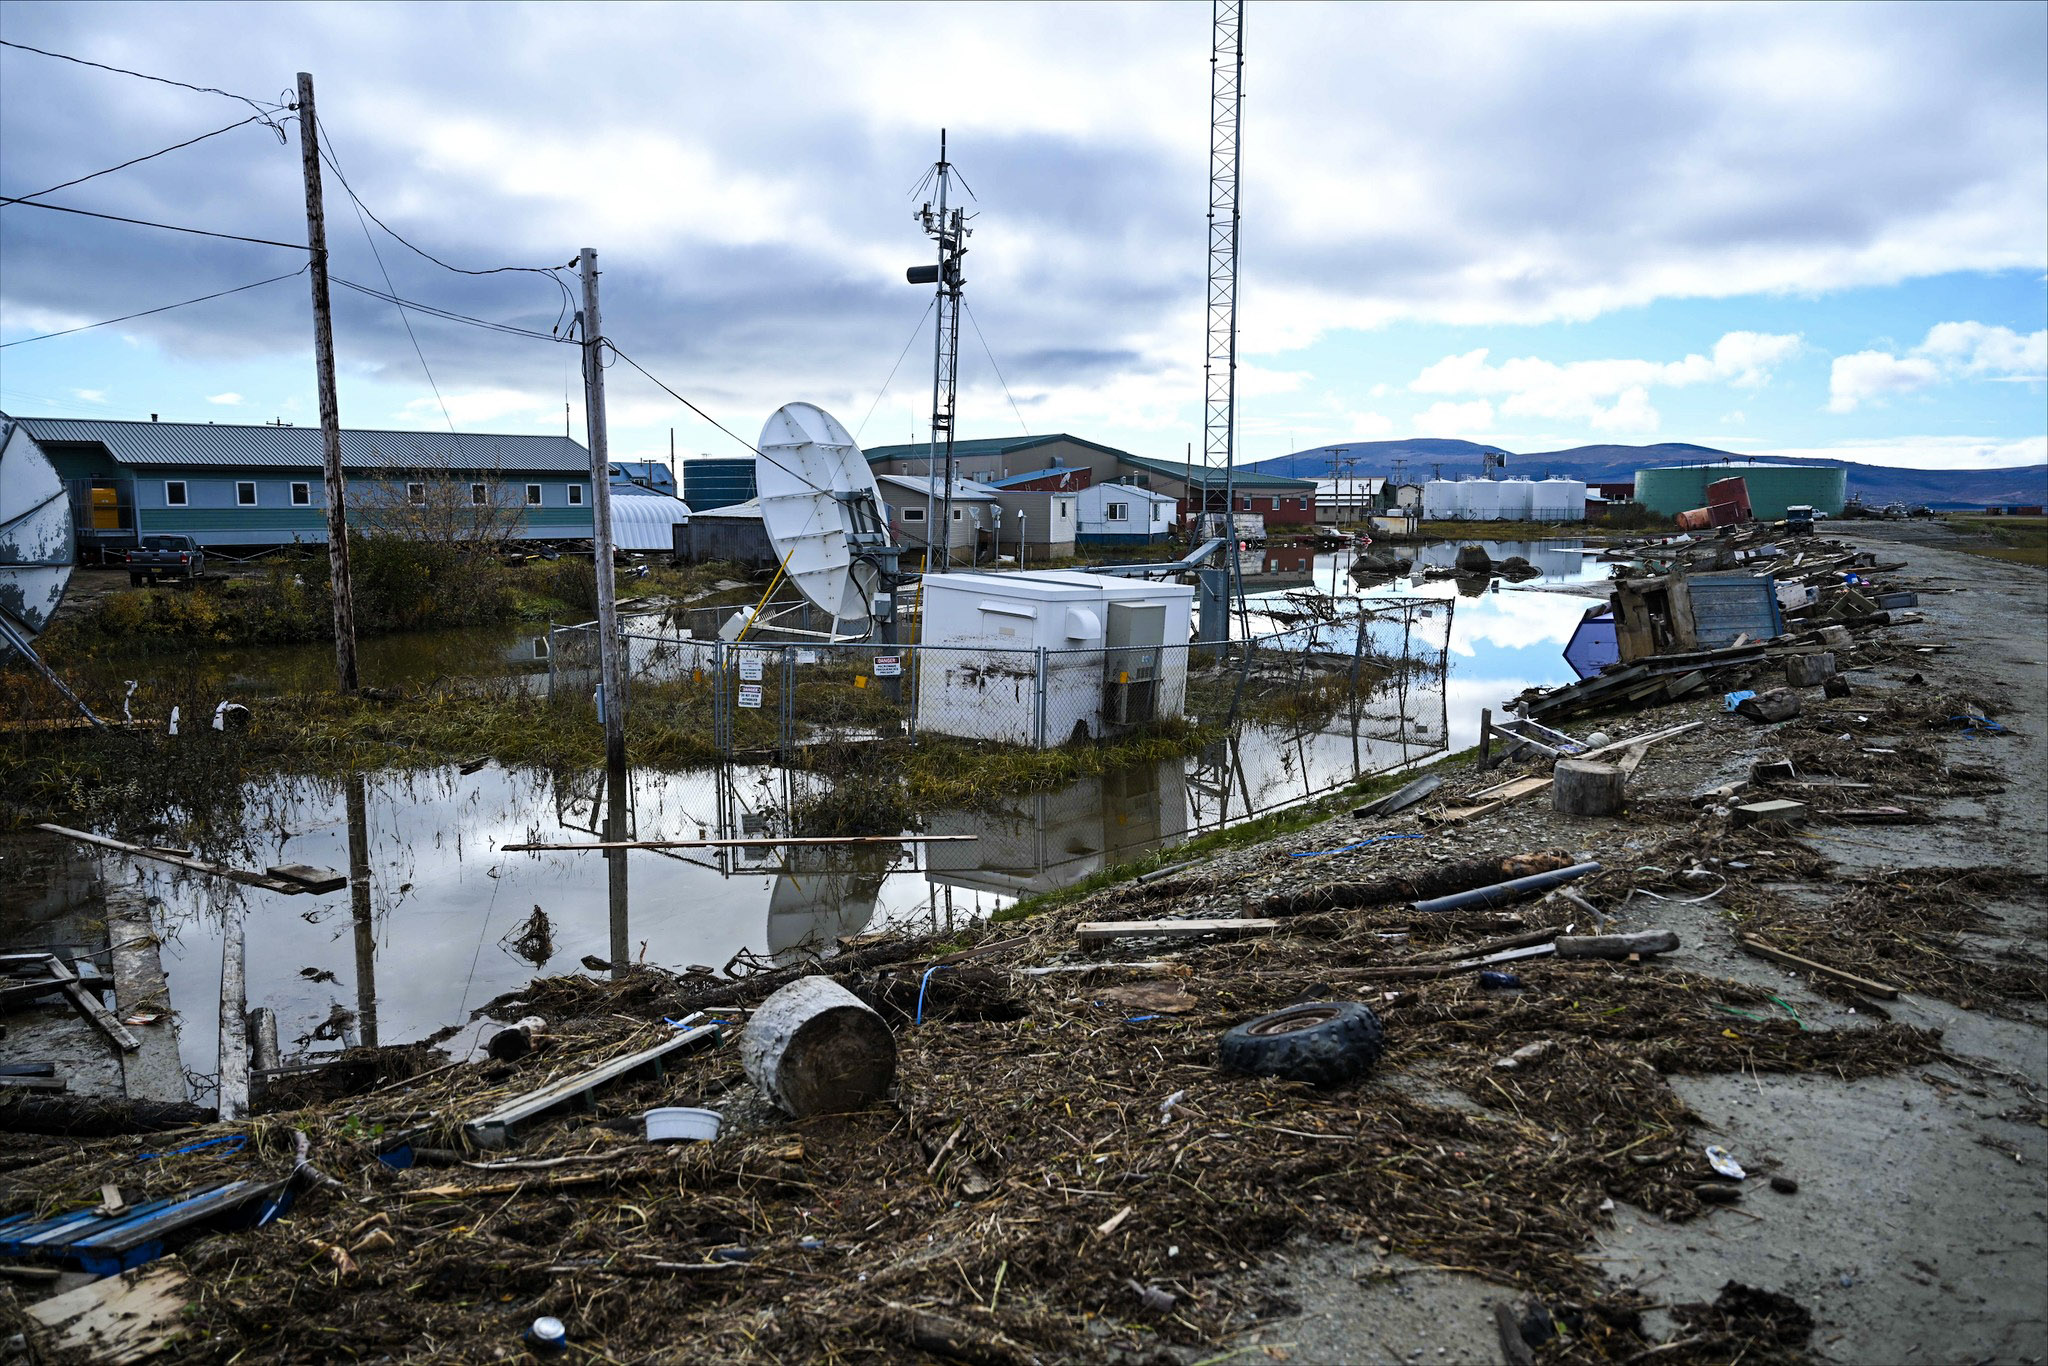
948,227
1219,369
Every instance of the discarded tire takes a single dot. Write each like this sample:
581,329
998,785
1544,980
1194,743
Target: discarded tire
1321,1042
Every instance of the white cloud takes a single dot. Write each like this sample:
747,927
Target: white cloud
1368,424
227,400
1455,419
91,395
1963,350
1932,452
1609,395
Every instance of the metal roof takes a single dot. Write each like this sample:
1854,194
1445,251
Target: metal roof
266,447
984,445
1212,476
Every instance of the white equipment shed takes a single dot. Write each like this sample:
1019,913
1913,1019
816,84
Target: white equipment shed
1048,656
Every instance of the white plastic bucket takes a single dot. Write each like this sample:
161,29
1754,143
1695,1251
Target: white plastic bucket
682,1124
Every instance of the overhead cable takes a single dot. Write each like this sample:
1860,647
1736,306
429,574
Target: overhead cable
993,366
448,315
219,294
265,110
915,332
800,478
147,223
136,161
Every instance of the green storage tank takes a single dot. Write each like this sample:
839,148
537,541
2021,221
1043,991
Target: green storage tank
1772,488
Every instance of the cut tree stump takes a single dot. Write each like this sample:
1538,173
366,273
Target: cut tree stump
1809,671
1582,787
815,1048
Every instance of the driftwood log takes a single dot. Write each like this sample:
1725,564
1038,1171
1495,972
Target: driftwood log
1643,942
42,1113
814,1048
1420,884
1779,704
1587,787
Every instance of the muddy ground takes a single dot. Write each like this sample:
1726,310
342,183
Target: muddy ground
1063,1173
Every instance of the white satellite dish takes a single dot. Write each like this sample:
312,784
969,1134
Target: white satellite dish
818,502
36,539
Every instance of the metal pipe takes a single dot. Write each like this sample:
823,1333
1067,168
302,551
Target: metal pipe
1501,892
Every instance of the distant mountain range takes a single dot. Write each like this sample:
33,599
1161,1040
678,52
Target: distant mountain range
1878,484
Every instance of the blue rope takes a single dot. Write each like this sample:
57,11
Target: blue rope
239,1140
1318,853
923,984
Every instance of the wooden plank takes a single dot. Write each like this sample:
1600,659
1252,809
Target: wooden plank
313,879
1652,738
122,1318
33,1083
494,1130
89,1006
1881,990
793,841
1105,931
1452,815
241,875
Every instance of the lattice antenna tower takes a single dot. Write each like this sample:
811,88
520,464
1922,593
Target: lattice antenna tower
1219,368
947,227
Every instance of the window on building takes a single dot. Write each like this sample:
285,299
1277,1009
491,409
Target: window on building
1117,512
174,493
533,495
245,493
480,495
1065,508
913,514
1158,512
416,494
958,514
575,495
302,493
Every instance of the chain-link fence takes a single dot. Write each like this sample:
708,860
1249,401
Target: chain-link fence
1375,671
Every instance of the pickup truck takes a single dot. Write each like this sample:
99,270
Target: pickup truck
170,557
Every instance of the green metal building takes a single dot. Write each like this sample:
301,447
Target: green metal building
1772,488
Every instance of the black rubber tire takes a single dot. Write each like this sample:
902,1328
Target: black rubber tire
1323,1042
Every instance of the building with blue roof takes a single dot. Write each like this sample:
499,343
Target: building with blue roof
256,486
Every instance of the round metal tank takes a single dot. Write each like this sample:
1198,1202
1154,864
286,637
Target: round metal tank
1558,500
1440,498
1479,500
37,543
1670,490
1516,497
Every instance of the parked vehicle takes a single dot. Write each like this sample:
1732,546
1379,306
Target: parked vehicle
167,557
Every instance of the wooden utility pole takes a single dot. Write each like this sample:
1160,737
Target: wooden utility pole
330,408
601,515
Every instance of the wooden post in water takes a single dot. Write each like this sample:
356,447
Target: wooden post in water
359,907
601,518
234,1021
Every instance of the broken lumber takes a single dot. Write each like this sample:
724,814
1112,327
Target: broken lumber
814,1048
1106,931
1641,943
241,875
1883,991
495,1129
1418,884
121,1318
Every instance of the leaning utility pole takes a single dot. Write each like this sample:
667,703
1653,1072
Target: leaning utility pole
949,229
601,515
330,408
1219,368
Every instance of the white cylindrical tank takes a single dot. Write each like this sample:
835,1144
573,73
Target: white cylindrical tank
1479,500
1515,499
1440,498
1559,500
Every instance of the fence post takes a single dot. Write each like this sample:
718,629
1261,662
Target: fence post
719,739
551,661
1038,729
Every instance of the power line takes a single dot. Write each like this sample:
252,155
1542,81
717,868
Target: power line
146,223
176,146
290,274
145,76
894,368
993,366
449,315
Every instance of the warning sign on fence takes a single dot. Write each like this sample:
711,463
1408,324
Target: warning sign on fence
888,666
750,694
750,672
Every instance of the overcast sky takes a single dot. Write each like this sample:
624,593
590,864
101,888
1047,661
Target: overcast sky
1803,229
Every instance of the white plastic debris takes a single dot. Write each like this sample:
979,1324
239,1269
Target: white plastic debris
1723,1161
